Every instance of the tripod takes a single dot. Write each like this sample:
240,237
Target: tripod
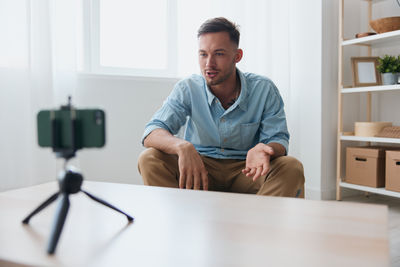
70,182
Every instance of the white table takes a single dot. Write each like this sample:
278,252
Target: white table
191,228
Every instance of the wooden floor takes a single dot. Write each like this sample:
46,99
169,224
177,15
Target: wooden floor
394,221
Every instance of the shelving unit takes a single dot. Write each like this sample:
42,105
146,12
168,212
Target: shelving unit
380,191
383,38
374,41
380,88
370,139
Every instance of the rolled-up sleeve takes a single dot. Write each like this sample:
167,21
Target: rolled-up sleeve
273,124
172,115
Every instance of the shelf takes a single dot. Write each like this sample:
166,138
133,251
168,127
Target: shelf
381,191
387,37
368,46
378,88
370,139
374,1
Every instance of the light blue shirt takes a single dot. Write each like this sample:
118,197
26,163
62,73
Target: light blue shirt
256,117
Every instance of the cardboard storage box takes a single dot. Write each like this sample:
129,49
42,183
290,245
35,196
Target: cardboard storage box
365,166
393,170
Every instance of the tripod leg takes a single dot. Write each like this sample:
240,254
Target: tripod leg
130,219
59,219
42,206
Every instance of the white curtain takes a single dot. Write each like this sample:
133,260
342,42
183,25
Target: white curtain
37,71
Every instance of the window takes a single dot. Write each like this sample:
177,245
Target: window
133,37
158,38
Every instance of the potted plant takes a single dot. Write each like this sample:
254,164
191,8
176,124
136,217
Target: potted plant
388,65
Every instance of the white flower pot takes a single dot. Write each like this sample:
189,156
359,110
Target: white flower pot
389,78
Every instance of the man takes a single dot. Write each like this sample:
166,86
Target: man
236,137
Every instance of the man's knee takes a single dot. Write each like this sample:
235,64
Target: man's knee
291,173
293,167
147,157
158,168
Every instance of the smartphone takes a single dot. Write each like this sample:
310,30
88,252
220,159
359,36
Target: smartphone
89,128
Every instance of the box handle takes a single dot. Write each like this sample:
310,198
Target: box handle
361,159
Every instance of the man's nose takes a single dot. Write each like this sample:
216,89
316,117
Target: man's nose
210,61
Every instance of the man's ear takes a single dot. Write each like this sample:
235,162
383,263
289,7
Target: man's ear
239,55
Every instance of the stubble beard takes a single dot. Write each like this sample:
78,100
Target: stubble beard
222,79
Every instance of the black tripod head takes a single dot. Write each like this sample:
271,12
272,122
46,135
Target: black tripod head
60,151
70,181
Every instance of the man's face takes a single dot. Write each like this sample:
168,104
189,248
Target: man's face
218,56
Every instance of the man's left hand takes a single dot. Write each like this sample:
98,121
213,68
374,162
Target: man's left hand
257,161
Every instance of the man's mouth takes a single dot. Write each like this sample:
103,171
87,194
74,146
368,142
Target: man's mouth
211,73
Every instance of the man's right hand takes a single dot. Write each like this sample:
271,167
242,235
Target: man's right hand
193,174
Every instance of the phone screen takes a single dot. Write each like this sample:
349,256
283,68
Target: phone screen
89,128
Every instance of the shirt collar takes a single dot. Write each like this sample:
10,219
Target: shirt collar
244,92
210,96
243,98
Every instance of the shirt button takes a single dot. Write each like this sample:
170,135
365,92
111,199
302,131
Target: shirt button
225,139
222,150
222,120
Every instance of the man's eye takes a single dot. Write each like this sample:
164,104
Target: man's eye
219,54
202,55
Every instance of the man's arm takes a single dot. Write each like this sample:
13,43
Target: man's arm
279,150
274,136
191,168
258,159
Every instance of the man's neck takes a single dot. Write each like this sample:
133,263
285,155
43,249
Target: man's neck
228,92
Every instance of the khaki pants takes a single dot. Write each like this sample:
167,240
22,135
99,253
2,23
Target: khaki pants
286,177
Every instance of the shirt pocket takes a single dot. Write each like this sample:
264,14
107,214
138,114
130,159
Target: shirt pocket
248,134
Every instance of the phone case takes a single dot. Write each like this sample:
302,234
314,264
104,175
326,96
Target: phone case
89,128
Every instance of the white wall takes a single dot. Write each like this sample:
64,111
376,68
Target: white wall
312,103
329,98
129,104
304,107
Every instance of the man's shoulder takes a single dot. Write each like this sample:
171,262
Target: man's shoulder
257,82
254,78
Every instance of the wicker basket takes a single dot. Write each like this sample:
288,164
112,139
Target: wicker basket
390,132
385,24
369,128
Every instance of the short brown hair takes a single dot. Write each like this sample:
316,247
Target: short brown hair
220,25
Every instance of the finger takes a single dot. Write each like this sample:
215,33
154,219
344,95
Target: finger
258,172
268,150
189,182
246,170
197,181
251,172
182,180
204,178
265,169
